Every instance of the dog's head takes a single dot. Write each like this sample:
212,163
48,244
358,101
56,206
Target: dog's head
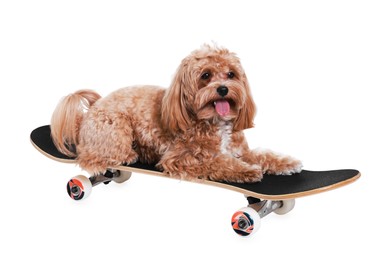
210,84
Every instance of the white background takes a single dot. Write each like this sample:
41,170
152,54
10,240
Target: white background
320,72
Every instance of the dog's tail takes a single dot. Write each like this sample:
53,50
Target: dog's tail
67,117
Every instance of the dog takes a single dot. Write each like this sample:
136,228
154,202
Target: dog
192,130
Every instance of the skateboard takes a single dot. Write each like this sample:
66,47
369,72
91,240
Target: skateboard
275,193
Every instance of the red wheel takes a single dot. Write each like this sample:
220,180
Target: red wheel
245,221
79,187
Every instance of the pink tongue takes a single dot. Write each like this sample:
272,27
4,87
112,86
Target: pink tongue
222,107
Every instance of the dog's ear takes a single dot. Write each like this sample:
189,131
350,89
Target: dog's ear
175,115
248,111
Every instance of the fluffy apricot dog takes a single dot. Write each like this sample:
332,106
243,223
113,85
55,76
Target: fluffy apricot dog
193,129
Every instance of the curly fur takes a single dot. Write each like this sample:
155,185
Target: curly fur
191,129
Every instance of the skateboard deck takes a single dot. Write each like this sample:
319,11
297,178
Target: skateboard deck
272,187
274,193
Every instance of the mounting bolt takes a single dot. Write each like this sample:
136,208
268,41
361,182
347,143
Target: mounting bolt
242,223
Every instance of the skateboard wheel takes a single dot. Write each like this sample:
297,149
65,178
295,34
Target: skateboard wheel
122,177
79,187
287,206
245,221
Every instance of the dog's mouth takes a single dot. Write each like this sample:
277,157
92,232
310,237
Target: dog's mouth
222,106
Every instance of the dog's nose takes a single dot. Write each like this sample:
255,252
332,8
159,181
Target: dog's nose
222,90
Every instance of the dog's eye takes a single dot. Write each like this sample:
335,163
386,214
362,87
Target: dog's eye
205,75
230,75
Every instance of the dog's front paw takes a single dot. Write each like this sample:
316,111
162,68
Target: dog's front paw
253,173
286,166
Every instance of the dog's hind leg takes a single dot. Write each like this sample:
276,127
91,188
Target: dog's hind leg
105,142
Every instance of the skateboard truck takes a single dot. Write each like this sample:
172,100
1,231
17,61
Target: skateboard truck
265,207
246,221
80,186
